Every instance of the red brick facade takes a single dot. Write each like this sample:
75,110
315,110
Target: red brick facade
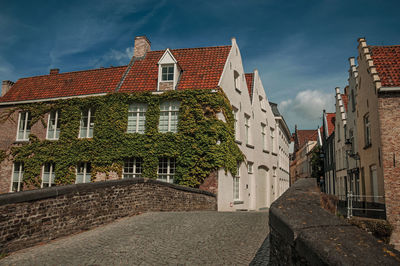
389,114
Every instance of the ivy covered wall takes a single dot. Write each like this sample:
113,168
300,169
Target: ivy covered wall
202,144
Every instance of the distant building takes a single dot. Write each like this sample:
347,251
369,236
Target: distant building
328,147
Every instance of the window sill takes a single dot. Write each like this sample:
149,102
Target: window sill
237,202
367,146
250,146
21,141
238,142
239,91
265,151
52,139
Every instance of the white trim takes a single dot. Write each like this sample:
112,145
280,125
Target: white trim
51,171
388,89
55,126
53,99
85,174
24,136
89,115
20,174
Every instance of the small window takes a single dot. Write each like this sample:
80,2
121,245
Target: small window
367,131
247,128
137,118
236,77
250,167
236,122
18,177
24,126
236,184
166,169
262,104
273,145
87,124
83,173
53,126
264,137
48,175
167,73
133,168
169,117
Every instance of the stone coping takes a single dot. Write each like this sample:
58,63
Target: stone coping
319,237
38,194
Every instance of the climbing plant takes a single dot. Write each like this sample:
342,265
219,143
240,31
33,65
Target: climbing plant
202,144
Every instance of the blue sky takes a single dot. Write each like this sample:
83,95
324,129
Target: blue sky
299,47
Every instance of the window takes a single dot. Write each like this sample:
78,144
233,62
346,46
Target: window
133,168
374,182
272,139
353,101
166,169
250,167
53,126
83,173
236,122
236,184
167,73
264,137
247,128
24,126
87,124
17,178
137,118
262,104
169,116
367,131
48,175
236,80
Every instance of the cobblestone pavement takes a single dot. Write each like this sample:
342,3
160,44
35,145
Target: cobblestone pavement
191,238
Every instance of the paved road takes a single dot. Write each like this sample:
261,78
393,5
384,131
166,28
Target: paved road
192,238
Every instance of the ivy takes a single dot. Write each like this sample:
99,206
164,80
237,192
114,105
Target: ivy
202,144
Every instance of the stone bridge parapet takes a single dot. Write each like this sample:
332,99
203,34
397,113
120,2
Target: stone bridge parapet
31,217
303,233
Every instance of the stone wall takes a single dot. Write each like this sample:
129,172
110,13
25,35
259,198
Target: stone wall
31,217
389,115
302,233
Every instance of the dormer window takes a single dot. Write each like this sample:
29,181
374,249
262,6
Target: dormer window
167,73
236,77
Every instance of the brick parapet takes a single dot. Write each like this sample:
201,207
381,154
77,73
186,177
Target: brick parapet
31,217
302,233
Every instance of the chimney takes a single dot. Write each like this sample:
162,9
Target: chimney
54,71
6,86
142,46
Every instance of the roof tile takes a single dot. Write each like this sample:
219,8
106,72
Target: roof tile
387,62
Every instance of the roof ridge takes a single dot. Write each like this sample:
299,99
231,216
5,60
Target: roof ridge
77,71
194,48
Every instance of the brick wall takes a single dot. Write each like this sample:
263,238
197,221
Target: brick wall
31,217
302,233
8,135
210,184
389,115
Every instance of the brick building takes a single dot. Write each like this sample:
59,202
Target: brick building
150,75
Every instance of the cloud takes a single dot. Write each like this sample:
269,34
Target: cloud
114,57
306,108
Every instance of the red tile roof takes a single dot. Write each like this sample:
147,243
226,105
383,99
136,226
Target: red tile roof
101,80
330,119
304,135
345,100
201,69
249,81
387,62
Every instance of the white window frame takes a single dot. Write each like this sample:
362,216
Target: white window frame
26,131
56,133
85,175
90,118
170,176
134,173
264,137
138,112
51,172
250,167
173,107
247,125
235,112
272,135
20,177
168,67
236,184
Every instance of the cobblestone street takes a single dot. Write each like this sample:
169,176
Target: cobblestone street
193,238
